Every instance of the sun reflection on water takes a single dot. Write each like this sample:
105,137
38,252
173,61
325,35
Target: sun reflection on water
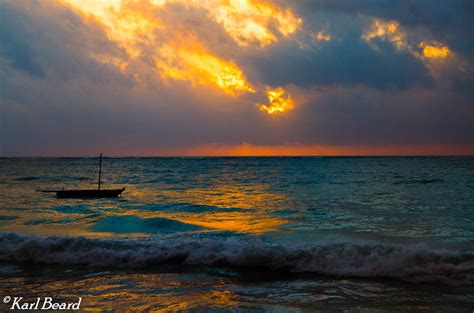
160,292
244,208
222,207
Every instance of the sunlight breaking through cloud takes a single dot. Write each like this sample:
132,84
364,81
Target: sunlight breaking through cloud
435,50
201,67
427,51
277,102
321,36
253,22
138,27
386,30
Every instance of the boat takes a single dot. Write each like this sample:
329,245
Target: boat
88,193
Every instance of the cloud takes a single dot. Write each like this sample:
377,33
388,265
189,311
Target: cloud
344,116
277,101
14,48
48,40
450,21
435,50
349,62
321,36
170,76
177,50
192,62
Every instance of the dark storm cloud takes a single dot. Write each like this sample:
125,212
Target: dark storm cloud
43,38
14,48
348,62
450,21
437,15
374,117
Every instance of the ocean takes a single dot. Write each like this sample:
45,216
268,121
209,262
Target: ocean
276,234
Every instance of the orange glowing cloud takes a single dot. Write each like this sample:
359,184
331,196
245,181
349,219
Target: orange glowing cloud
246,21
320,36
431,52
277,102
386,30
255,22
194,64
185,59
179,53
124,22
435,50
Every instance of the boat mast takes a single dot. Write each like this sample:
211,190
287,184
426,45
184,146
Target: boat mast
100,168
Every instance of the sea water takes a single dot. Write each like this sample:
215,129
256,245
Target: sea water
245,234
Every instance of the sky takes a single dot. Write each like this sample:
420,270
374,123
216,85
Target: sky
236,77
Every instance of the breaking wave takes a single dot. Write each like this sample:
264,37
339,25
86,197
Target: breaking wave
407,262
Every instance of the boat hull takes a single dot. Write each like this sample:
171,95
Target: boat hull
89,193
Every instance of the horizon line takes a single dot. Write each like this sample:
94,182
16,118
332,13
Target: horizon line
233,156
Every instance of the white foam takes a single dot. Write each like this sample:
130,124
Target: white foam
408,262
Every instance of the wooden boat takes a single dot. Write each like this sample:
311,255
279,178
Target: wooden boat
88,193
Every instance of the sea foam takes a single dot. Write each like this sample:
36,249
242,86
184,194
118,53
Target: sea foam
371,260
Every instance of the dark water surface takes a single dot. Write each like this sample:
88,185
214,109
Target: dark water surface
260,234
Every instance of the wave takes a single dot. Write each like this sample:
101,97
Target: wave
29,178
133,224
419,181
416,263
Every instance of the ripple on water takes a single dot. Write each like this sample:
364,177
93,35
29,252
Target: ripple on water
133,224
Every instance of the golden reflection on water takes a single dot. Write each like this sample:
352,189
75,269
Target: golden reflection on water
228,196
228,199
248,223
223,195
151,292
238,208
252,201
